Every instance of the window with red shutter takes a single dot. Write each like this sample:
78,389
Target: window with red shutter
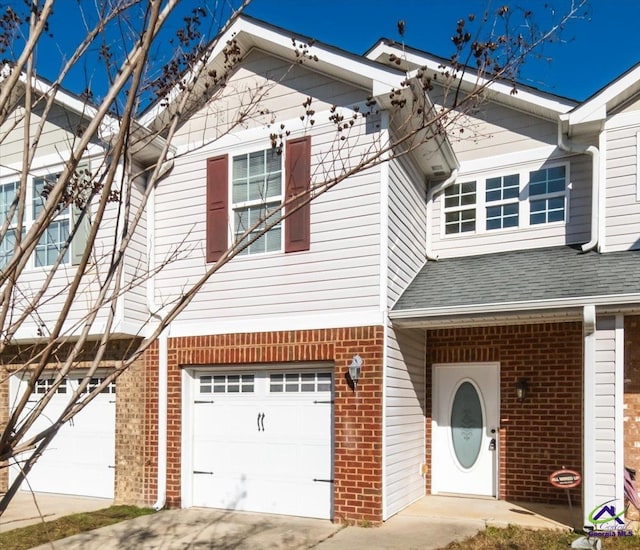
257,190
298,177
217,207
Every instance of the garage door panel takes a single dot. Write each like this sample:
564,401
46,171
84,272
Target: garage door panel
266,445
80,460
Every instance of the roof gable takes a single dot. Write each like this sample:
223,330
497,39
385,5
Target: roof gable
525,98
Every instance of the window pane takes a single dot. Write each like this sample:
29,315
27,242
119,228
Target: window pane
52,242
256,177
547,180
8,193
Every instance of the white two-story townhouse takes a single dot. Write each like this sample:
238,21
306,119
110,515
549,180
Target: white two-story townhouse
526,307
485,284
82,460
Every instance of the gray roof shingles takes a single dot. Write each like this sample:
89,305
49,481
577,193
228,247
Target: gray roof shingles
523,275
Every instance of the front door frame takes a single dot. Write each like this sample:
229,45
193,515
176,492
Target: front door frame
435,403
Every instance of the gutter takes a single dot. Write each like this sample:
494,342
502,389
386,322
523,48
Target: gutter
499,307
163,355
594,152
433,190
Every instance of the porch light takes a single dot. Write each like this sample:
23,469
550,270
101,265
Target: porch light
355,369
522,389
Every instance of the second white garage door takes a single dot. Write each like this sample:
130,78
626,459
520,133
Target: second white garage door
80,459
262,442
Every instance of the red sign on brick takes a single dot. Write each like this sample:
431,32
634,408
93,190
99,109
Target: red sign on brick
565,479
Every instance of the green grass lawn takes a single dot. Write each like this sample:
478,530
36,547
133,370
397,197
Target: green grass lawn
41,533
516,538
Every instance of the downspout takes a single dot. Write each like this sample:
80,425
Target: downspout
433,190
593,151
163,354
588,404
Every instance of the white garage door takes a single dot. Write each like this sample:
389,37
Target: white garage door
80,460
262,442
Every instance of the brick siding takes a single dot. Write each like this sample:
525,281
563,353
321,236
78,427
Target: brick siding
545,432
357,429
632,393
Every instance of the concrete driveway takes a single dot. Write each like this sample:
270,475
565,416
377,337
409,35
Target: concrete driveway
198,528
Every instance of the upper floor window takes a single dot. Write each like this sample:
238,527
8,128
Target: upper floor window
547,195
514,200
57,233
257,191
53,240
460,207
243,189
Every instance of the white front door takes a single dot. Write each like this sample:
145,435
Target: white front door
262,442
465,428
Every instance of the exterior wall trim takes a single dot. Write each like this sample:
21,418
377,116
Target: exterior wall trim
525,305
619,407
588,407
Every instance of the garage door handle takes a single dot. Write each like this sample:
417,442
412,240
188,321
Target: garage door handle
112,467
202,472
260,421
323,480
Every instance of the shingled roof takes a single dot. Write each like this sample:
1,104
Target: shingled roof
522,276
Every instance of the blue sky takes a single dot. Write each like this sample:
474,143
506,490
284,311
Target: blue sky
597,49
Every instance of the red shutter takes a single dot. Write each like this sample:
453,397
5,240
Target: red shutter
217,207
298,177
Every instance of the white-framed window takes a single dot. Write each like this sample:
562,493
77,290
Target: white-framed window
502,198
8,192
460,208
227,383
513,200
55,235
547,188
257,189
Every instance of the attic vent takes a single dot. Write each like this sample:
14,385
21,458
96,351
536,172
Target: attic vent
439,173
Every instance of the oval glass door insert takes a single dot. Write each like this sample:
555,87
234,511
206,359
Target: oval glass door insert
466,424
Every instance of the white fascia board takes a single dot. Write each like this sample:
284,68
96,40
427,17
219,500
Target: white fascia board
337,319
525,305
553,104
596,107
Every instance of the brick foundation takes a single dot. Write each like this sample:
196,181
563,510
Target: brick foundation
357,429
545,432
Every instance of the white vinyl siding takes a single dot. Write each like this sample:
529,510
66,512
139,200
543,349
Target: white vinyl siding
605,417
341,271
404,418
405,350
495,130
135,308
488,239
407,225
622,223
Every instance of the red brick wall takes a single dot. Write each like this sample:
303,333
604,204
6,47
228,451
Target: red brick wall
632,392
358,429
545,432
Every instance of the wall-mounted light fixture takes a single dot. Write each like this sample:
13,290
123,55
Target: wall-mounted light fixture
522,389
355,370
